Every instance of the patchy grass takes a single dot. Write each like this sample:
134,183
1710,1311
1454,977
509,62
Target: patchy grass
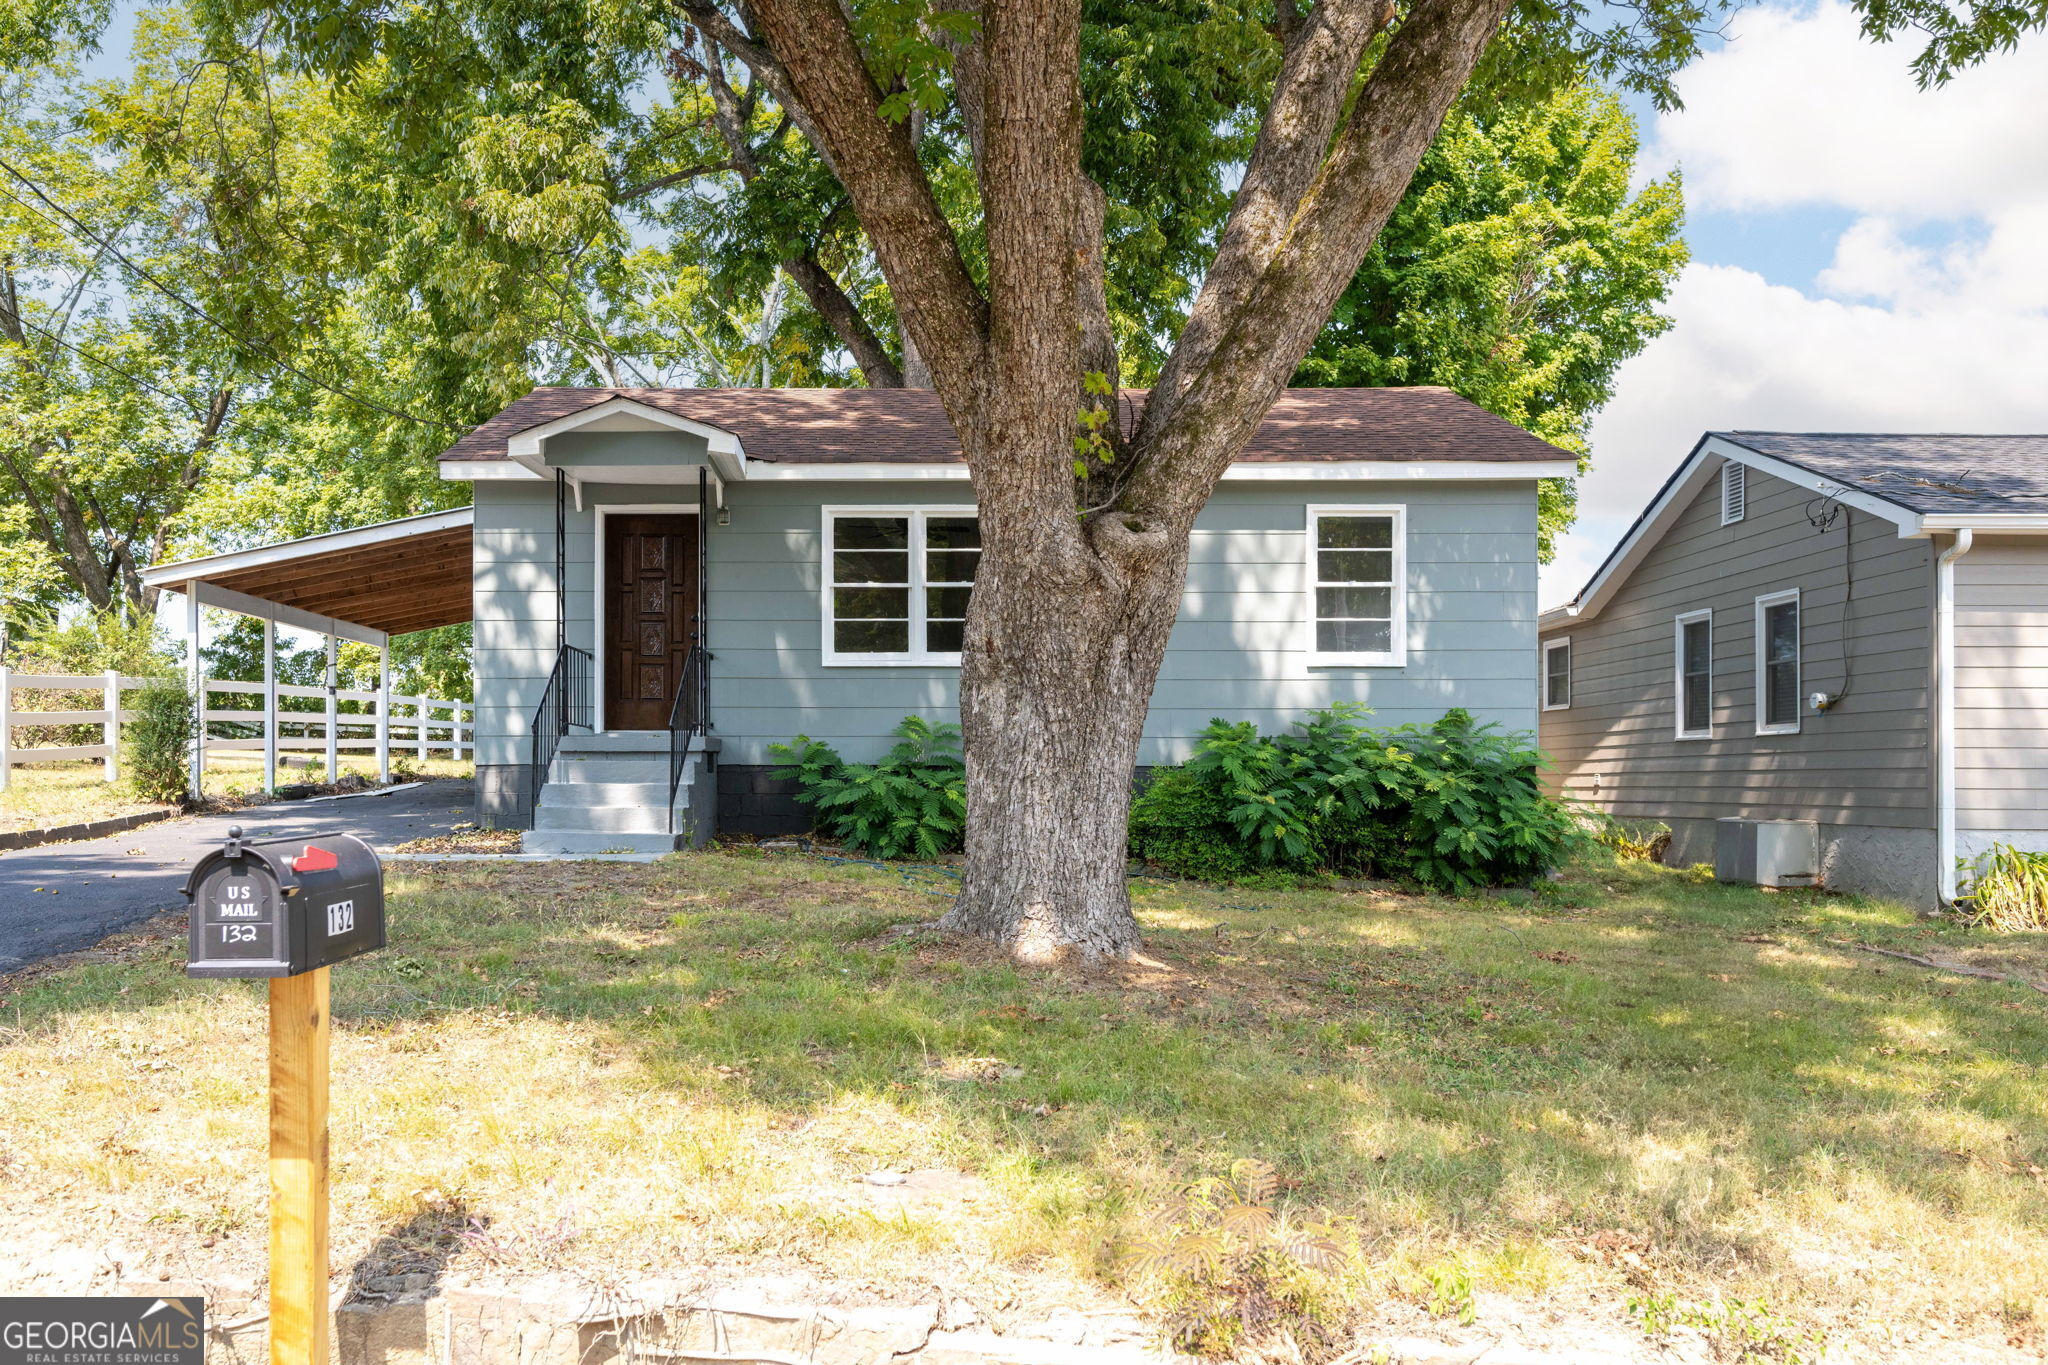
52,794
49,795
1640,1088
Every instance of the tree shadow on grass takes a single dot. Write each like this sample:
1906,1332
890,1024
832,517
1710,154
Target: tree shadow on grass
1685,1062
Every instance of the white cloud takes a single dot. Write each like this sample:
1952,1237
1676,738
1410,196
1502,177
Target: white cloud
1798,108
1895,334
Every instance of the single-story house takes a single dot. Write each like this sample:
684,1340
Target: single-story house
1847,630
665,582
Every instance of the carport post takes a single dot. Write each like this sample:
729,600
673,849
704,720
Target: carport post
197,675
384,712
269,704
333,754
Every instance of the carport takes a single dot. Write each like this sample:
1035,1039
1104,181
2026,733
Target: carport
366,584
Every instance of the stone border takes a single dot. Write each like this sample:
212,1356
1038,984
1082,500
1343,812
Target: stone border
91,829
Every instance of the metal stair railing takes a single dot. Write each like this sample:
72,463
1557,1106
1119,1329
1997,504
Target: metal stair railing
564,705
688,718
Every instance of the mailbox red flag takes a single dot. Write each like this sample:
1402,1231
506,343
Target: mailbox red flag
315,860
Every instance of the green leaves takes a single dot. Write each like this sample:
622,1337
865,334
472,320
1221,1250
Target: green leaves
1455,806
913,804
1521,269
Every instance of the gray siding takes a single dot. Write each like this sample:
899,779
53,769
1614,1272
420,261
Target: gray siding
1865,763
2002,691
1239,650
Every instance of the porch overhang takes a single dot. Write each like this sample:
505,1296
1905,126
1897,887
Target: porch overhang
366,584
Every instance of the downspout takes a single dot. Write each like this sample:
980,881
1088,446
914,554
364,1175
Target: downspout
1945,712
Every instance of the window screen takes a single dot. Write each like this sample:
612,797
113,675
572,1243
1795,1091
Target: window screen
1557,674
1696,676
1780,654
1354,567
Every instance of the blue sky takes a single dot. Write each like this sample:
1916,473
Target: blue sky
1867,256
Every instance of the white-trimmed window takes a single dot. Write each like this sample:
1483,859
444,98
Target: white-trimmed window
1557,673
1692,661
1777,663
896,582
1734,492
1357,576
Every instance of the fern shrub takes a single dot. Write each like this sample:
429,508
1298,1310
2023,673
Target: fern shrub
157,744
912,804
1455,806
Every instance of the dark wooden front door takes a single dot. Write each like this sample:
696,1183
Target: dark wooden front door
650,616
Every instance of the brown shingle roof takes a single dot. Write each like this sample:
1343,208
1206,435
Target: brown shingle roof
908,426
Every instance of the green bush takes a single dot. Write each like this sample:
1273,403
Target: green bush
1181,822
1455,806
913,804
157,744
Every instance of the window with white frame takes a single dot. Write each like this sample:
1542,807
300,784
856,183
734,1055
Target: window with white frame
1777,663
1734,491
1557,674
1693,664
896,583
1357,571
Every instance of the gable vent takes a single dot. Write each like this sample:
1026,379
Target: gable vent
1734,491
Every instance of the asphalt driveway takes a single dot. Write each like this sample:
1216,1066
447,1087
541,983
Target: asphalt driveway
62,897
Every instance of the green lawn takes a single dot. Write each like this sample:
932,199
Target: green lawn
1640,1087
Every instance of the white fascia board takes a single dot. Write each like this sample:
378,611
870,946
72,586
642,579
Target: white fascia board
1347,471
725,449
1908,522
212,595
170,575
854,472
462,471
1681,488
1985,523
1383,471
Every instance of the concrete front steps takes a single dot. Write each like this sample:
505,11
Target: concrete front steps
608,793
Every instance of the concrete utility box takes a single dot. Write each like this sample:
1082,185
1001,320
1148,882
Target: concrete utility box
283,907
1781,853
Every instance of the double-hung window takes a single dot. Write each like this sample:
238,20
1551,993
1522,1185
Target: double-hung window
1693,664
896,583
1357,594
1557,673
1777,663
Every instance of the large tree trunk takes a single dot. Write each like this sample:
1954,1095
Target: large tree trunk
1080,578
1053,695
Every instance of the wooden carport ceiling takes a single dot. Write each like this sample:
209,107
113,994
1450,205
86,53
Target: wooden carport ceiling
396,586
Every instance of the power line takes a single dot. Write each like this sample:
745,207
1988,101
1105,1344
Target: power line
105,364
201,313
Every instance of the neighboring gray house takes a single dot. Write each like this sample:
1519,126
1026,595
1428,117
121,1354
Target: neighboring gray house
665,582
1850,630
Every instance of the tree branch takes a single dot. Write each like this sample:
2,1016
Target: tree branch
1321,57
662,182
830,86
841,314
1225,386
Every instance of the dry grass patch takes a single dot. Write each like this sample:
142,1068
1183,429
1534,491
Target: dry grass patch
49,795
1639,1088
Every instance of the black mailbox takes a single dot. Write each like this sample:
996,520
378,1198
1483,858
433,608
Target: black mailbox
282,907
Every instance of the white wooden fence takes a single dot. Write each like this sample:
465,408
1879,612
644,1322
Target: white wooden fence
410,725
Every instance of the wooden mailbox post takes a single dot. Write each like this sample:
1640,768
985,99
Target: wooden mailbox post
287,910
